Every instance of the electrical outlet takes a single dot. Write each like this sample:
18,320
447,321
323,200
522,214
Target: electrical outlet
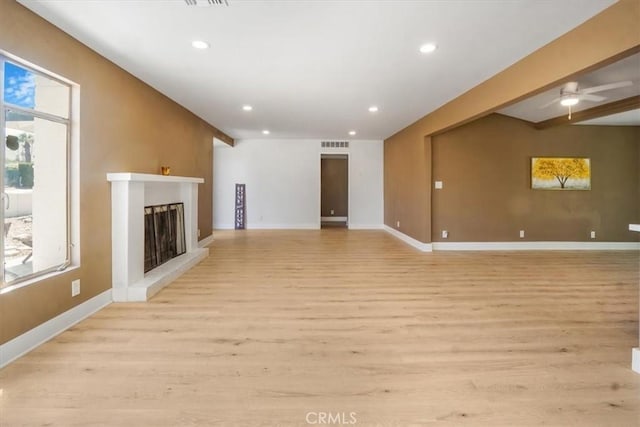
445,234
522,234
593,234
397,224
198,232
438,185
332,211
75,288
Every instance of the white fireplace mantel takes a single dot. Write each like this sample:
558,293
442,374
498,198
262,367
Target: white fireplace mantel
130,193
147,177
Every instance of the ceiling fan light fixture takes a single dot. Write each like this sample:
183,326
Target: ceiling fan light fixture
569,101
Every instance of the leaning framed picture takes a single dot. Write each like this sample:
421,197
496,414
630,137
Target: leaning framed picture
560,173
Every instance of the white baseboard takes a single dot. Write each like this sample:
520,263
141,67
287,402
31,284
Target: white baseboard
298,227
21,345
333,219
315,226
366,227
635,359
424,247
205,242
535,246
223,226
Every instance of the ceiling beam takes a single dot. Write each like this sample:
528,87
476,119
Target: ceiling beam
217,133
631,103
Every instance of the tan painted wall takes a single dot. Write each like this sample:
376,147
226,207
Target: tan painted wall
407,193
125,126
487,195
637,218
334,187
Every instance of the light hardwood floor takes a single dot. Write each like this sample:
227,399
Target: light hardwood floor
276,327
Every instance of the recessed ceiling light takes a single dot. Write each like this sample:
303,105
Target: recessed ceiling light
373,109
247,107
352,132
199,44
428,47
265,132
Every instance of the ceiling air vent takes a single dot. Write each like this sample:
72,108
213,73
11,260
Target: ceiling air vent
334,144
206,2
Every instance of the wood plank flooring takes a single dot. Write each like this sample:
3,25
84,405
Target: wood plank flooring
277,328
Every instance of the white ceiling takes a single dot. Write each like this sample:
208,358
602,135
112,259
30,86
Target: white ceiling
312,68
627,69
628,118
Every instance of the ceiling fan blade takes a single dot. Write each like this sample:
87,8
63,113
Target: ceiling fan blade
606,87
549,103
594,98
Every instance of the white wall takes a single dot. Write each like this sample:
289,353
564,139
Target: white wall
19,202
49,196
282,180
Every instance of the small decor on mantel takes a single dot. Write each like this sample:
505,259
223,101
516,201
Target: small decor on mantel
165,170
560,173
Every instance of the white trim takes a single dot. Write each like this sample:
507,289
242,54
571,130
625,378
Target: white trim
206,241
21,345
300,227
424,247
283,226
270,227
223,227
535,246
333,218
635,359
366,227
37,279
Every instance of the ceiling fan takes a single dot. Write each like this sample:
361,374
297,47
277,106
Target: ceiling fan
571,93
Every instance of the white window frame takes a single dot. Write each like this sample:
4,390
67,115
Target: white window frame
72,257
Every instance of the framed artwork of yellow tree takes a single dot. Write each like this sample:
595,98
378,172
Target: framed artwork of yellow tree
560,173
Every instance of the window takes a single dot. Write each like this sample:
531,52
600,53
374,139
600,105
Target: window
35,121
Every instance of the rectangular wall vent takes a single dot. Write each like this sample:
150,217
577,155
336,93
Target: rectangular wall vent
206,2
334,144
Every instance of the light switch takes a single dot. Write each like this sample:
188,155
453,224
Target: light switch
438,185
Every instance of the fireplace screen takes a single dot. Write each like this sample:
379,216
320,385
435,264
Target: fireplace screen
163,234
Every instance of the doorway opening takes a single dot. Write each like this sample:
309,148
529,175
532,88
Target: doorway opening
334,190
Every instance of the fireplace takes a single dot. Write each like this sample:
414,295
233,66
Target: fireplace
154,222
163,234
